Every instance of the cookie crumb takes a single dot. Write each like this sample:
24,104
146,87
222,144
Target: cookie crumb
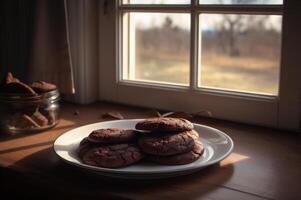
184,115
153,113
112,115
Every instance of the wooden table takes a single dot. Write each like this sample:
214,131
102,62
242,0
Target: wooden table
265,164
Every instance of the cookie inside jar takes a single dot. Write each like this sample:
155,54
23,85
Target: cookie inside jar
26,107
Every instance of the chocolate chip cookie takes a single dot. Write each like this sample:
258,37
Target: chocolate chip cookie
112,135
23,121
165,124
194,135
180,159
39,118
165,144
10,78
84,146
17,88
42,86
113,156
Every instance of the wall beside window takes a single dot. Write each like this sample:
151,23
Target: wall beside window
290,109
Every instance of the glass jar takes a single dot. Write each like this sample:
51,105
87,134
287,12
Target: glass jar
25,114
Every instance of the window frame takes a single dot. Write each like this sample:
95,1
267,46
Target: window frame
234,106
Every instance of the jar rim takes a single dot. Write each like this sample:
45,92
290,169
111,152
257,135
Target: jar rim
16,97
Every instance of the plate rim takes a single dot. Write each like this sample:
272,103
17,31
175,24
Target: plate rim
117,170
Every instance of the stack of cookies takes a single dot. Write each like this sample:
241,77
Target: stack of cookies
170,141
111,148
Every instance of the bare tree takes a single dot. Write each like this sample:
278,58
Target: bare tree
229,29
231,26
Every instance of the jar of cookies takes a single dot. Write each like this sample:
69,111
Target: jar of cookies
28,108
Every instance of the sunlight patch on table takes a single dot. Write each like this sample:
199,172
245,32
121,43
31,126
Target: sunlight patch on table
233,158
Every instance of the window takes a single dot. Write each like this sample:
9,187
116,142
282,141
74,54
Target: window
223,56
156,45
240,52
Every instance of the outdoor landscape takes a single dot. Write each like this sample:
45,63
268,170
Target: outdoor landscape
237,52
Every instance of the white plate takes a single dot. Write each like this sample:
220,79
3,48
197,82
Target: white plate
218,146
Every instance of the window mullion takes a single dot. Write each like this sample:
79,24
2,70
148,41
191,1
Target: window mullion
241,9
193,45
155,8
231,9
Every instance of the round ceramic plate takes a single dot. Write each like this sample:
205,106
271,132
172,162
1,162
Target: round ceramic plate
217,146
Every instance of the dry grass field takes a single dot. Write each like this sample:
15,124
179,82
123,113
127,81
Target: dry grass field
249,74
239,53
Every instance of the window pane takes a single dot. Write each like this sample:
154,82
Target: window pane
157,47
156,1
240,52
241,2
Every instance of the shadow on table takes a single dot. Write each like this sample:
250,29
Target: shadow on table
47,171
6,136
